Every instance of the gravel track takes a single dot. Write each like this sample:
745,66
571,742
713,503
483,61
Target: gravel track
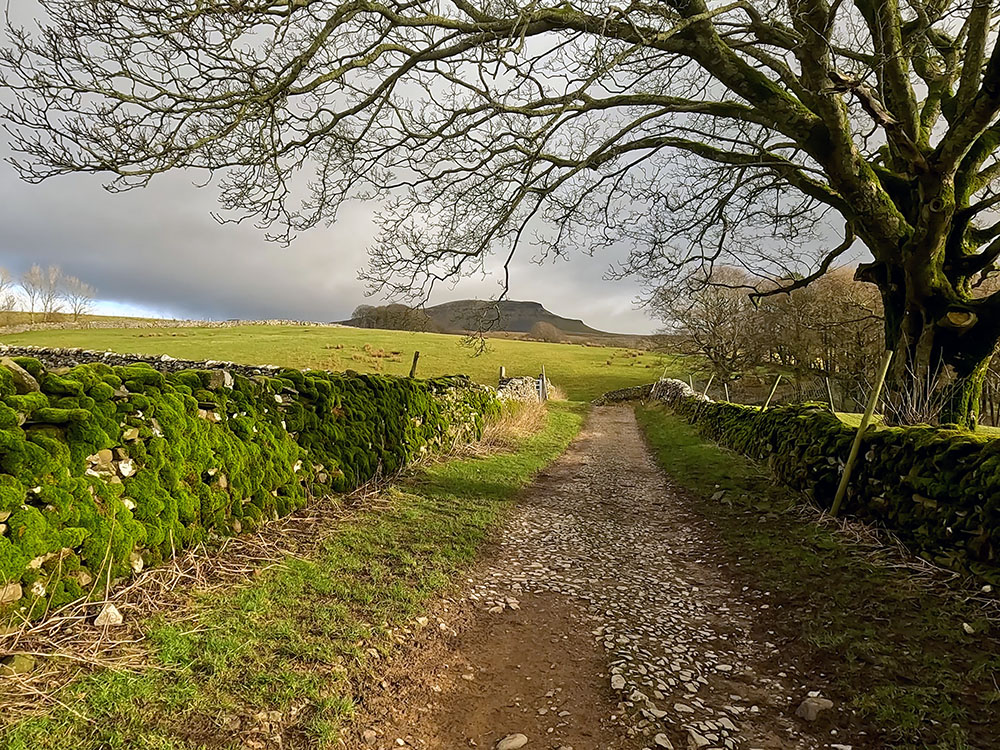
604,584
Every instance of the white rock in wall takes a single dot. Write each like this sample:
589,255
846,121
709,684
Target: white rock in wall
109,616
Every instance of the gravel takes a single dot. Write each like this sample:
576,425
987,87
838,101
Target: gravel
673,624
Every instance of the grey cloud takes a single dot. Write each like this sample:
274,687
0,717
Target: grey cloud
159,249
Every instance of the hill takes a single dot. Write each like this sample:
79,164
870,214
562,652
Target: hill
469,315
508,315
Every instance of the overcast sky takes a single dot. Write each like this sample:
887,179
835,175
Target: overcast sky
157,251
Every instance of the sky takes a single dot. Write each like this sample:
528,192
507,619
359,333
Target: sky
158,252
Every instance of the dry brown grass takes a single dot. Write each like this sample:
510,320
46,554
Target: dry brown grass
518,420
556,393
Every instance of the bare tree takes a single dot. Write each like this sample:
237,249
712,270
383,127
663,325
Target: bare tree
830,328
545,331
364,316
8,300
79,296
33,284
716,320
698,134
50,298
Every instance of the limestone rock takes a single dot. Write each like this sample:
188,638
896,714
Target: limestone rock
512,742
10,593
369,737
661,740
109,616
24,382
697,741
810,708
82,577
130,435
16,664
219,379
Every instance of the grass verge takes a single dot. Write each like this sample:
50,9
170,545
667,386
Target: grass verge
894,649
272,663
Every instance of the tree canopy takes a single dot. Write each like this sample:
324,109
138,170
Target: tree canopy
692,133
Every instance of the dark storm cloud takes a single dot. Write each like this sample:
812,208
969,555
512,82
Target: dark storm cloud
159,249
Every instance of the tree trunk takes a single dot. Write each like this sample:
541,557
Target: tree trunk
943,346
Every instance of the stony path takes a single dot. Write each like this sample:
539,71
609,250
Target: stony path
605,619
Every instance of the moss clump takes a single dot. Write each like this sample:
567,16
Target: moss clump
106,464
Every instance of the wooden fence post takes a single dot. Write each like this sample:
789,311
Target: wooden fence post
726,386
771,394
503,372
691,381
709,384
829,394
413,367
856,445
545,386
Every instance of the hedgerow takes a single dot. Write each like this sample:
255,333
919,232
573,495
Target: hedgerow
105,470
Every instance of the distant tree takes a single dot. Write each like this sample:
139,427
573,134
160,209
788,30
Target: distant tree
830,328
714,319
394,317
544,331
8,300
400,317
32,284
78,295
51,296
364,315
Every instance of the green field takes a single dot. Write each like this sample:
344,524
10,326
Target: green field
583,372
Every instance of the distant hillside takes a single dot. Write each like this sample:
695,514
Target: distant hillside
509,319
508,315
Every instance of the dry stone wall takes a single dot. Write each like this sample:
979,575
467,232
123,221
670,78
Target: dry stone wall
938,489
109,464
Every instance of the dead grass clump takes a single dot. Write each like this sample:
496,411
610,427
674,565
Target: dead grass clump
518,420
556,393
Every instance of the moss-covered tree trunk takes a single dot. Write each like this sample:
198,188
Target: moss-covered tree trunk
943,340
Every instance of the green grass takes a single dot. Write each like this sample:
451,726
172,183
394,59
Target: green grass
895,651
296,638
852,419
583,372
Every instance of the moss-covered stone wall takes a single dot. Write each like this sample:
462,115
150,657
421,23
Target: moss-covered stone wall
937,489
105,470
